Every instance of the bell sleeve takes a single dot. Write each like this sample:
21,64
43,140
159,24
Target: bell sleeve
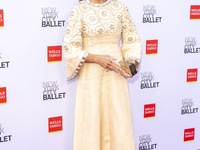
131,44
73,53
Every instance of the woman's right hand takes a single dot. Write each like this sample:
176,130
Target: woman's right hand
108,62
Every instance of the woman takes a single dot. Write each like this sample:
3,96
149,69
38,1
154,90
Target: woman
91,50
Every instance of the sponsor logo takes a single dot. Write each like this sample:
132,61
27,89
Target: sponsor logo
51,91
149,110
3,97
147,80
3,64
192,75
149,15
190,43
189,134
146,143
55,124
1,18
54,53
3,137
195,12
50,18
151,47
188,107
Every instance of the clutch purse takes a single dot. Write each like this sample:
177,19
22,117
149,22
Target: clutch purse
128,67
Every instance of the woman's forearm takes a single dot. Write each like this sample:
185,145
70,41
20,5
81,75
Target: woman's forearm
92,58
107,62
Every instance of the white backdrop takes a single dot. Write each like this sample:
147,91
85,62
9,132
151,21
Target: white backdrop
25,75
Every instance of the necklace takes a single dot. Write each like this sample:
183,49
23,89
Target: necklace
98,5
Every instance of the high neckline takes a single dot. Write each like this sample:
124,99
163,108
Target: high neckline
98,5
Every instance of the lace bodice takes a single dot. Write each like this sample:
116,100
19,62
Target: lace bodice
91,24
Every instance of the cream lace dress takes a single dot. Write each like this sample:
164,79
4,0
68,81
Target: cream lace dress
103,118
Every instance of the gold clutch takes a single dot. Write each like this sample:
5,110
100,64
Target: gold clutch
128,67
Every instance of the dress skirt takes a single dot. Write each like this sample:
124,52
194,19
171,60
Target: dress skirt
103,119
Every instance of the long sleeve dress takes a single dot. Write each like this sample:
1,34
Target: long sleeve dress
103,118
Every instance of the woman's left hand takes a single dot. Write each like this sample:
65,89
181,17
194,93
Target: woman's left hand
125,74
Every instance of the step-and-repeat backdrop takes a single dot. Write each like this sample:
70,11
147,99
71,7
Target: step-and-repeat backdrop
37,103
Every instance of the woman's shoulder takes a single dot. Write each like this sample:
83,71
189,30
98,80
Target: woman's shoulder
75,12
119,4
81,6
78,5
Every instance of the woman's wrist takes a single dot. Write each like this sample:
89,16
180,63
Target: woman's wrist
92,58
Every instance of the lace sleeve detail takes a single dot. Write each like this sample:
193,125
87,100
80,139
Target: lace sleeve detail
78,68
131,44
73,53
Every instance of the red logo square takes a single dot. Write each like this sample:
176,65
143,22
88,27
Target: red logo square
189,134
192,75
149,110
54,53
195,12
55,124
3,97
151,47
1,18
